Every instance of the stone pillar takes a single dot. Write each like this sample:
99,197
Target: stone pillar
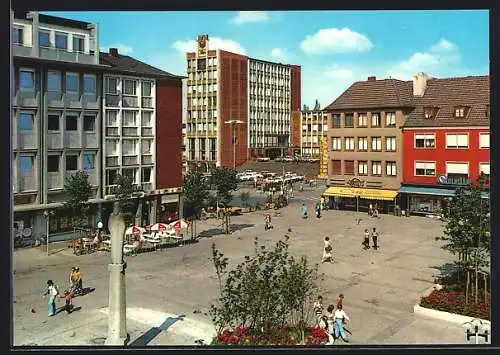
138,213
181,206
153,212
117,317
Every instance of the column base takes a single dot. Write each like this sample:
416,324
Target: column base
117,340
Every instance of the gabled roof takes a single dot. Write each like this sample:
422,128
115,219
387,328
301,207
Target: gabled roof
446,95
386,93
128,65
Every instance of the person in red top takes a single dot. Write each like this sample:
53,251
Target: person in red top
68,296
340,300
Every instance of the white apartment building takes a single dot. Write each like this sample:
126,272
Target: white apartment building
314,127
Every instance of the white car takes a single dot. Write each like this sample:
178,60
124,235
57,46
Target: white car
263,159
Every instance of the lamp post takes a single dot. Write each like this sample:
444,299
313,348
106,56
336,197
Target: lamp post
47,215
233,140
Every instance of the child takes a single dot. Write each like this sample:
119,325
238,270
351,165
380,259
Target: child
318,308
327,251
366,240
68,296
340,300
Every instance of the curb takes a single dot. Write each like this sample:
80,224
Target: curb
446,316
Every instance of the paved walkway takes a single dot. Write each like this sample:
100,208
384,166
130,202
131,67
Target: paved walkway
380,287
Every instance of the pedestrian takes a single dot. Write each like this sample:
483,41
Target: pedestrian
327,251
370,210
323,324
375,238
366,239
330,320
318,210
68,296
375,210
340,319
267,222
71,278
318,308
78,280
51,294
303,211
340,300
322,202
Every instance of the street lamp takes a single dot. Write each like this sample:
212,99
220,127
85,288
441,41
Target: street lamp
476,328
233,140
47,215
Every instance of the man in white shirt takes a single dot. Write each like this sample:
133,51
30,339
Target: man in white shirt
340,319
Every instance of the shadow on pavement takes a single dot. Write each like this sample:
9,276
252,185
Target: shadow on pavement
212,232
152,333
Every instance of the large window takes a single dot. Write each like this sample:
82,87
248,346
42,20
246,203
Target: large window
390,144
336,167
390,119
128,147
376,144
349,167
111,85
336,121
362,120
427,168
146,88
484,168
129,87
129,118
457,169
349,120
26,79
43,38
390,168
53,163
376,120
72,82
336,143
112,118
349,143
26,122
376,168
89,123
146,175
78,44
54,80
111,147
425,140
89,84
484,140
362,168
61,40
457,140
71,162
88,161
17,35
362,144
53,122
71,122
146,118
111,177
146,145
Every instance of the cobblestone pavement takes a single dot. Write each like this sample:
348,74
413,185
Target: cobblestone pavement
380,287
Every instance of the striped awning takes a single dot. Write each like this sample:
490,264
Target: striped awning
369,194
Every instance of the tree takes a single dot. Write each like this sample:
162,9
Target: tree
225,181
79,191
125,194
317,106
305,107
195,191
244,197
467,232
265,292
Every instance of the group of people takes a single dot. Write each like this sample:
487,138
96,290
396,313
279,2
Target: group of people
333,321
366,238
75,287
373,210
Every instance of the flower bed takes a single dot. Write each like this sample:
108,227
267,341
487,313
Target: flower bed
453,301
284,336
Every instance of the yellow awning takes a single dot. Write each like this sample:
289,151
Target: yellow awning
369,194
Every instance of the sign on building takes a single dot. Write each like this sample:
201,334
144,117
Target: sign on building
323,158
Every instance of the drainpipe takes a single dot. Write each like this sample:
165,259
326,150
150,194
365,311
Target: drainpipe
35,48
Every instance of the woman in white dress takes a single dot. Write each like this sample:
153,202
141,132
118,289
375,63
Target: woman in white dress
327,251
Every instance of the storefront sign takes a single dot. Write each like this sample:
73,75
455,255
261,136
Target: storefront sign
457,181
355,182
323,158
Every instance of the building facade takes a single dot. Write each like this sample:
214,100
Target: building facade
314,128
238,107
446,140
56,118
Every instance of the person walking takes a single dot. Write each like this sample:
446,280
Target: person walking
366,239
51,294
340,300
340,319
323,324
68,297
322,202
303,211
330,320
72,278
327,251
375,238
370,210
318,210
318,308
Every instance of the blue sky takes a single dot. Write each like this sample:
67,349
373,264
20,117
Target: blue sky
334,48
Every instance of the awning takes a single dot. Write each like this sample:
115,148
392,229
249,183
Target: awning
369,194
422,190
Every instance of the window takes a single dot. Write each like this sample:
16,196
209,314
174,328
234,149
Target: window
112,118
390,119
88,161
26,162
349,167
129,173
484,140
484,168
111,177
26,121
362,120
78,44
376,168
336,143
89,84
376,144
390,168
128,147
44,39
146,88
459,112
146,175
71,162
129,87
71,122
111,85
17,35
425,168
89,123
349,143
53,80
363,144
53,122
146,146
26,79
362,168
336,167
72,82
61,40
349,121
304,127
111,147
53,163
146,118
457,140
425,140
428,112
375,120
128,118
390,144
459,170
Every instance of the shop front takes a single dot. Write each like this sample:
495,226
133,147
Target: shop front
359,199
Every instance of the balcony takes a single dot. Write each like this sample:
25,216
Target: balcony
130,101
65,56
147,131
147,102
129,160
112,132
112,161
112,100
146,159
130,132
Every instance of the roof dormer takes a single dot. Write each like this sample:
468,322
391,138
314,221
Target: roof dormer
430,112
461,111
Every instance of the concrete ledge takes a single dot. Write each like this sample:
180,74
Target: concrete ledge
446,316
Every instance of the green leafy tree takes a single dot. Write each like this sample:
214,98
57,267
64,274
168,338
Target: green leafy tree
79,191
125,194
317,106
225,181
195,191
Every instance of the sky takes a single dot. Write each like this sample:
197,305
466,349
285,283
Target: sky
334,48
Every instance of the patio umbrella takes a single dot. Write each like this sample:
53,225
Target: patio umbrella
134,230
160,227
180,224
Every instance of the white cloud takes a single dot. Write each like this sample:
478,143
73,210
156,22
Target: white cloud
444,46
339,74
333,40
279,53
249,17
213,43
122,48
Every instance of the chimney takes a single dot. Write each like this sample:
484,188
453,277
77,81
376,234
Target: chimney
419,84
113,52
372,78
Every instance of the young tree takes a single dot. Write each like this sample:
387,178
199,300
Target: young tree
225,181
79,191
125,194
195,191
317,106
305,107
